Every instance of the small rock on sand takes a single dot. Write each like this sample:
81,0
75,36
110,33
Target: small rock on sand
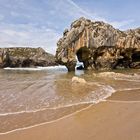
78,80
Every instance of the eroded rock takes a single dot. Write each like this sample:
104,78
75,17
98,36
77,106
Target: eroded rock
99,46
25,57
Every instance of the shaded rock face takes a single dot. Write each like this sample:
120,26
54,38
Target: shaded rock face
25,57
99,46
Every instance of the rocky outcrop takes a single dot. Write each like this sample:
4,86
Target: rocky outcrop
99,46
25,57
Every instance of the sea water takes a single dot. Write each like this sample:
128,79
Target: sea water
32,96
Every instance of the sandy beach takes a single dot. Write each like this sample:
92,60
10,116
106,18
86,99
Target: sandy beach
69,70
115,119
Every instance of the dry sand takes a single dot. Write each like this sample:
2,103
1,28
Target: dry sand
104,121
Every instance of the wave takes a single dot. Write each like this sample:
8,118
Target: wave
105,89
119,76
32,126
95,97
42,109
128,89
38,68
119,101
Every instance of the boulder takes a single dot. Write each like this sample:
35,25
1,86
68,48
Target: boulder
25,57
99,46
78,80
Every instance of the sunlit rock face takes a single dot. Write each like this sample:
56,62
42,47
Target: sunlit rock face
25,57
99,46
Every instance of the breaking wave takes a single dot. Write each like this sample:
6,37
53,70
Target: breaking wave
38,68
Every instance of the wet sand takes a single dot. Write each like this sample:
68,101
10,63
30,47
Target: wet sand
110,120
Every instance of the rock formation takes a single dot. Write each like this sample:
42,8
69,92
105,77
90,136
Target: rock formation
25,57
99,46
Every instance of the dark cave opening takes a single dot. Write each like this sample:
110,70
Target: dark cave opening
136,56
83,57
27,63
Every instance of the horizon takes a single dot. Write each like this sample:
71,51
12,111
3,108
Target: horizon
41,23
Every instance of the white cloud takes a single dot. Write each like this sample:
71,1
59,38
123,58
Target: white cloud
28,36
94,16
121,24
84,12
42,22
79,9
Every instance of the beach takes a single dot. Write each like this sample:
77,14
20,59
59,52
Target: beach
69,70
44,104
110,120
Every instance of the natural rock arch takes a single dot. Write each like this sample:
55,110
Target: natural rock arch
99,46
83,55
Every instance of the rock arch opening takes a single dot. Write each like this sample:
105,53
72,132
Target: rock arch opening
136,56
83,56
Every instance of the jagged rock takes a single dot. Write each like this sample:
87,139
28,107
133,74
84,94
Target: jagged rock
99,46
25,57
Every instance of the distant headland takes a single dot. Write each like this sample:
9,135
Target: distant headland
25,57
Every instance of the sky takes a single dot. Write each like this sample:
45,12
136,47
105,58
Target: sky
40,23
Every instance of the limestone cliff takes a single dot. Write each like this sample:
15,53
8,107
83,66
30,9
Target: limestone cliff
99,46
25,57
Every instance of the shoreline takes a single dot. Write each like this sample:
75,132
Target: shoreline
82,106
44,123
113,117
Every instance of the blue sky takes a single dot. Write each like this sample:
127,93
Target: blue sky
40,23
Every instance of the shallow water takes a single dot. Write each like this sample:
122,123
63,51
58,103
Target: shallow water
32,96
